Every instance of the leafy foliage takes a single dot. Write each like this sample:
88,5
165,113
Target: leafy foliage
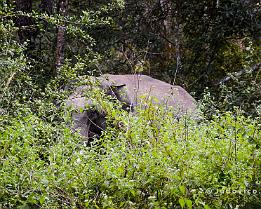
151,160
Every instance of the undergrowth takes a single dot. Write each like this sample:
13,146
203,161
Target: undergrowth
149,159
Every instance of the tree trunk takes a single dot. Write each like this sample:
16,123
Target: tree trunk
47,6
24,23
60,38
172,33
178,33
167,23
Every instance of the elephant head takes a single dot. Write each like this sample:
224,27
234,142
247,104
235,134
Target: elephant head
90,122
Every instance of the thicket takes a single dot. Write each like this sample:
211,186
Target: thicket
145,160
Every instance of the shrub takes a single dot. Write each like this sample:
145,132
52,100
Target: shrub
146,160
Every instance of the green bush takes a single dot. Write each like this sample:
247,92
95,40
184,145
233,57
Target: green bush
146,160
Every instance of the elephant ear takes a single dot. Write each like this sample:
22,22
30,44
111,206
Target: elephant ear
121,93
117,89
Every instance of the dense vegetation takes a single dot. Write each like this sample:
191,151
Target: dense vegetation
146,160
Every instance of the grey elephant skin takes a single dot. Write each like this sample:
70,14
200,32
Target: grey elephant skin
130,90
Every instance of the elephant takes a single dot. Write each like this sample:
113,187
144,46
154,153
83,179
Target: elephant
129,90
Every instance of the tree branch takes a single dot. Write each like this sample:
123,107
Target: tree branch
241,72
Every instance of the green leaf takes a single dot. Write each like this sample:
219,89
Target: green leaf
188,203
182,189
206,207
182,202
42,199
81,110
